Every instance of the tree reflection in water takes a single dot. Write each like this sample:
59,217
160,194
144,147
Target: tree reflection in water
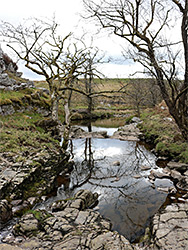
127,201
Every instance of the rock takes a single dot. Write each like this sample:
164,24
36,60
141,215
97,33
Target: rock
27,225
87,197
109,241
44,90
145,168
128,132
176,175
168,119
7,83
71,228
156,174
136,120
170,228
5,211
180,167
116,163
77,132
163,189
7,109
17,210
57,206
137,176
9,247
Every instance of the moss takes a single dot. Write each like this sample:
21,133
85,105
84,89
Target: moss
20,158
17,100
31,190
77,233
5,102
183,157
176,149
18,132
28,98
161,148
165,135
40,215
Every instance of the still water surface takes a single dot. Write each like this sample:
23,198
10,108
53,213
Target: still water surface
111,168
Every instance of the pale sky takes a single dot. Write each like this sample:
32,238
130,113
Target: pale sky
67,14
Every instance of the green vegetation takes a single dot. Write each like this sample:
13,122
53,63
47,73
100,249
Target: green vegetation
24,98
22,131
40,215
160,129
19,133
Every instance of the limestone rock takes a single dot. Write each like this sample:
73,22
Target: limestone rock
5,211
128,132
7,83
170,229
77,132
109,241
178,166
72,228
88,197
27,225
9,247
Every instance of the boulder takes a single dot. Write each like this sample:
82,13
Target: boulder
5,211
74,227
128,132
135,120
169,228
178,166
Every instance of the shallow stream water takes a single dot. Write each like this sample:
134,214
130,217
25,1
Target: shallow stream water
112,168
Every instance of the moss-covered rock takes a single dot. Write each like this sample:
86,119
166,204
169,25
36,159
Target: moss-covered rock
164,134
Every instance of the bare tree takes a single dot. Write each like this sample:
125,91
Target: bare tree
141,24
91,73
59,59
140,93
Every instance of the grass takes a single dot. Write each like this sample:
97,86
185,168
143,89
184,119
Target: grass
24,97
19,131
164,134
20,134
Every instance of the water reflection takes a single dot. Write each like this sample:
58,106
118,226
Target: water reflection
109,167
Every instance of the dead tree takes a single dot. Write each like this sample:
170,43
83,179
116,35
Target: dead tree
141,24
58,59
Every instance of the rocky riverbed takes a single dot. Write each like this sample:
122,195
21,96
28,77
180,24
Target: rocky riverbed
70,225
74,224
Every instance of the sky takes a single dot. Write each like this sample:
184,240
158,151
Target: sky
67,14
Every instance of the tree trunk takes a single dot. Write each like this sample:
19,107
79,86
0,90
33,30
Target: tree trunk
176,112
66,126
54,108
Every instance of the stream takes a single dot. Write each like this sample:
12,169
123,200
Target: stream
114,169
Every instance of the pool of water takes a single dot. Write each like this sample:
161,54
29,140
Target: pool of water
112,168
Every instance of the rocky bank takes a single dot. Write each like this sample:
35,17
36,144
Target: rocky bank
74,224
70,225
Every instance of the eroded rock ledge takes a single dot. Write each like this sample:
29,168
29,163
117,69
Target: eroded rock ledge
24,183
170,228
72,225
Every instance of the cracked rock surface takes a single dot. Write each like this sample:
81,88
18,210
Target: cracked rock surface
73,226
170,228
